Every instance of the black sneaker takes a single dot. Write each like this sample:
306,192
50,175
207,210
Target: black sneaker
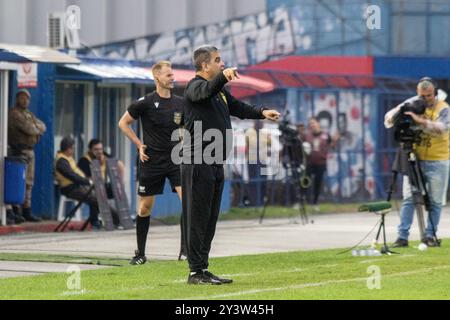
202,278
222,280
138,258
10,217
18,218
400,243
432,242
26,213
16,215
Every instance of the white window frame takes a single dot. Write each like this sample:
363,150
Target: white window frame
4,82
88,121
124,144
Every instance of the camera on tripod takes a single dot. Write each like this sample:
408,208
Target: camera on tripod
293,157
289,138
405,129
407,163
294,151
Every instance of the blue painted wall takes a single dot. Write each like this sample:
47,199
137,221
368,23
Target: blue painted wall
42,105
412,67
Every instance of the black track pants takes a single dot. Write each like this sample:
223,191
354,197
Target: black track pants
202,187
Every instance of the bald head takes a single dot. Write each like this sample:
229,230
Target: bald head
425,85
426,90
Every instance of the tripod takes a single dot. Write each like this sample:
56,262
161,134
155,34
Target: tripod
406,162
381,208
291,162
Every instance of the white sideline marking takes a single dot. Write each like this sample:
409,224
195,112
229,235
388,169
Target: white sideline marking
313,284
253,273
221,275
384,259
264,272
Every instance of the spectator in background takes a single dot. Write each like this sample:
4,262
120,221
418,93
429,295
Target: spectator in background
24,132
96,151
320,142
72,181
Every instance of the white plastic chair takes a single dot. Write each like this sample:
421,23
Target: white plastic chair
62,206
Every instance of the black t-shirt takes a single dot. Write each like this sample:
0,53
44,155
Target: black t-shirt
158,116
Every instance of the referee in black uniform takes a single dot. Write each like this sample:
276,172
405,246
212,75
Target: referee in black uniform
160,113
208,106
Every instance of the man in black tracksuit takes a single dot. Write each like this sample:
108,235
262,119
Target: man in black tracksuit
207,119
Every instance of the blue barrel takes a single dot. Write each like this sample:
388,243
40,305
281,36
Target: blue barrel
15,168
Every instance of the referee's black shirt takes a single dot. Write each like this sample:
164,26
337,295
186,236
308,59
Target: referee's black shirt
157,120
208,102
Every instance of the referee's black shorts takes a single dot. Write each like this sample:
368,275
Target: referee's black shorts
153,174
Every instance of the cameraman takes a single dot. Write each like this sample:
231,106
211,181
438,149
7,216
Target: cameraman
433,156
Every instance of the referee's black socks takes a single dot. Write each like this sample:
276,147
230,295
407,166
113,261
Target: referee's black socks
142,225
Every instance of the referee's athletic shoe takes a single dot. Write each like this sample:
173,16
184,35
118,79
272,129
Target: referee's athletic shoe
138,258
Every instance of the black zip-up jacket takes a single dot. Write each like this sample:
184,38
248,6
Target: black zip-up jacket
205,103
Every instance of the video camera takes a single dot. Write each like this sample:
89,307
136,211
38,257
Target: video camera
294,151
293,148
405,129
289,134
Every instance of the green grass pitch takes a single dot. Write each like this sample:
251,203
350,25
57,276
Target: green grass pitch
321,274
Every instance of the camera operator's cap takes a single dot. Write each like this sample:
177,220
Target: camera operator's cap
25,91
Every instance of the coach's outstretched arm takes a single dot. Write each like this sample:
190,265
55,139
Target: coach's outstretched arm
243,110
199,89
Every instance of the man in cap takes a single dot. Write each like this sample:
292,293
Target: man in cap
24,132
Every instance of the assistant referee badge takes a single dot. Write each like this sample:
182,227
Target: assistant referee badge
177,117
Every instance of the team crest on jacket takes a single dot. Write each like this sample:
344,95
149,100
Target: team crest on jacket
177,117
157,104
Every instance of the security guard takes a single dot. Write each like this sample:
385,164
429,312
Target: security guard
207,112
24,132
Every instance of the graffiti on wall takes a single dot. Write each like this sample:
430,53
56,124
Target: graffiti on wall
312,27
248,40
351,166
